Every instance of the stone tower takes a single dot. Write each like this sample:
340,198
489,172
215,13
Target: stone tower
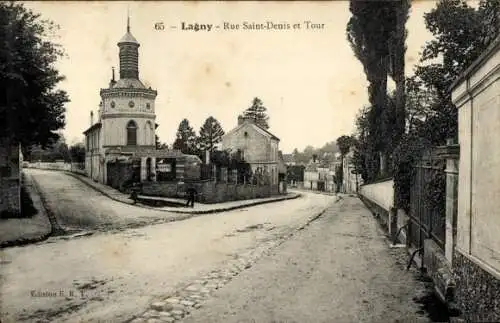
127,110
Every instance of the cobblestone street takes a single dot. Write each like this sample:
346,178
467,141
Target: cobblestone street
115,275
338,269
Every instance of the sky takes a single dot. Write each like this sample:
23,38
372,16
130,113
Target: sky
308,79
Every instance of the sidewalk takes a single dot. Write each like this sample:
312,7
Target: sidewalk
198,208
20,231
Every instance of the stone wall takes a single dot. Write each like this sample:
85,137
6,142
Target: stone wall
476,256
72,167
477,291
477,97
51,166
165,189
381,193
439,270
210,191
10,178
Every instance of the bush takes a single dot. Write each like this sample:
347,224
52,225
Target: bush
406,154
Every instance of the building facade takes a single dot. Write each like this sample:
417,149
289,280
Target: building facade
258,147
125,122
350,180
474,248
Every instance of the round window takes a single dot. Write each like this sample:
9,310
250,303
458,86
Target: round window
113,104
131,104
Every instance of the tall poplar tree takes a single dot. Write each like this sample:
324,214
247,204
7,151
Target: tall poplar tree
258,113
185,139
210,134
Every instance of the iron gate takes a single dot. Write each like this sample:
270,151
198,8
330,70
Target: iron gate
427,218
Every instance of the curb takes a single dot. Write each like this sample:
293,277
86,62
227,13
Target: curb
25,241
98,189
220,210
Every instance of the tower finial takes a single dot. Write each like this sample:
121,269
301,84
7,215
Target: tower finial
128,19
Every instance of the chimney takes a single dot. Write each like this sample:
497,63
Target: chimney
91,118
240,120
112,82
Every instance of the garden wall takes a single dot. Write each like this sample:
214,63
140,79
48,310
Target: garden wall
210,191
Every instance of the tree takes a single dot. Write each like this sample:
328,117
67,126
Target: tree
397,51
77,153
186,139
344,143
210,134
461,34
31,109
257,113
377,36
61,150
159,144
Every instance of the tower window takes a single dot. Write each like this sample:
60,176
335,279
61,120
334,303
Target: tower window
131,133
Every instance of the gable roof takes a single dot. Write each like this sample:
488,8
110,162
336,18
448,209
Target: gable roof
257,127
94,126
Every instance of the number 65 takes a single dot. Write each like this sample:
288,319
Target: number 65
159,26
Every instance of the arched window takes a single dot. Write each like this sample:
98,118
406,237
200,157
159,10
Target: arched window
131,133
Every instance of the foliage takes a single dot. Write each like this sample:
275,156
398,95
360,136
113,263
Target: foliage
54,151
339,177
232,161
31,109
461,34
365,159
210,134
377,36
406,155
257,112
344,143
77,153
159,144
435,192
295,173
186,140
